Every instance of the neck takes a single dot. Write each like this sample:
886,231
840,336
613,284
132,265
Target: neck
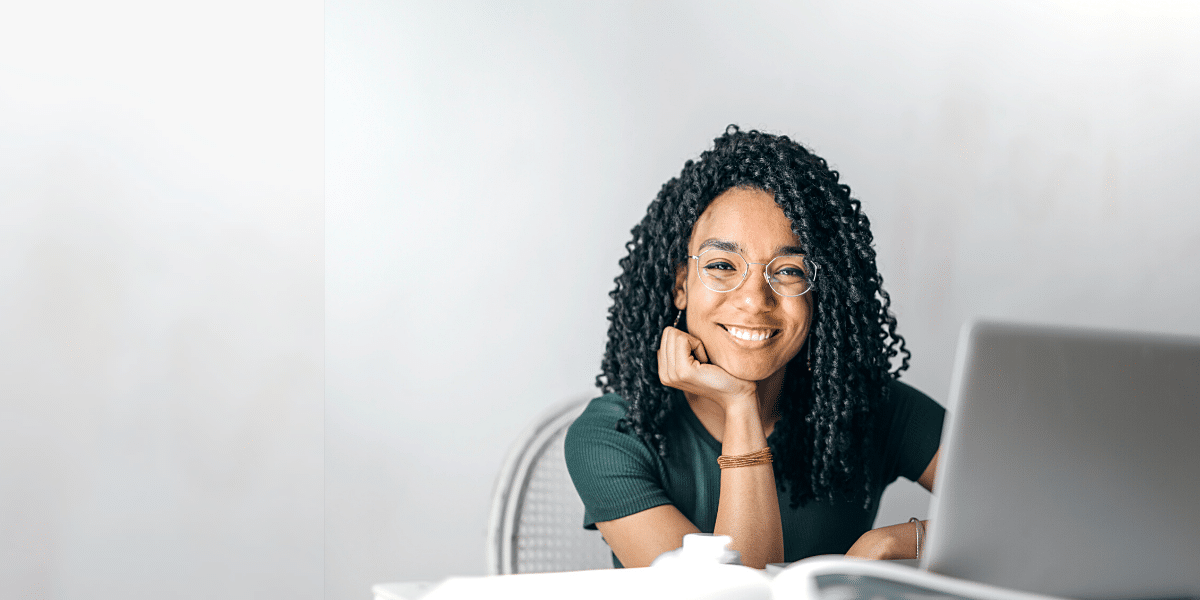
769,390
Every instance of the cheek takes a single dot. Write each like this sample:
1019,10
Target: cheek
803,318
701,301
806,313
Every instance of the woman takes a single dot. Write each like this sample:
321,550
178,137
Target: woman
747,371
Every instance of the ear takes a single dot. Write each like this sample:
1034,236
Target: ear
681,286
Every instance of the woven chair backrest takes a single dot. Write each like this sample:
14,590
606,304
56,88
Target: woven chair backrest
536,524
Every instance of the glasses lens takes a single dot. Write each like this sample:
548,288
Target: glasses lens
790,275
721,271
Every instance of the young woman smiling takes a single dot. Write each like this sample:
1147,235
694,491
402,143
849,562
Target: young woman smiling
748,371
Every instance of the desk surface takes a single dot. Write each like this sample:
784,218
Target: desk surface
417,590
406,590
844,578
605,584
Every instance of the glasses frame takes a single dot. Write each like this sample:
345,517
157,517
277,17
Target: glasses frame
812,279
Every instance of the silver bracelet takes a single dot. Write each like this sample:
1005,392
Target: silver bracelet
920,533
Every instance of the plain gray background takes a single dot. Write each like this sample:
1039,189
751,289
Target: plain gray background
1031,160
161,240
161,301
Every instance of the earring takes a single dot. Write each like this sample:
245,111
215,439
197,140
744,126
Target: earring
808,355
677,315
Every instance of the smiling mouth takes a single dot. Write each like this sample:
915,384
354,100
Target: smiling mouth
750,334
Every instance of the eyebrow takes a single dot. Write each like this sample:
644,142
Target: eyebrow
729,246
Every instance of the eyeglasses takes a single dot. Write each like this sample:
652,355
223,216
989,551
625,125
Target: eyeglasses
723,271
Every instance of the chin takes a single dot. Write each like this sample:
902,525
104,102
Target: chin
748,372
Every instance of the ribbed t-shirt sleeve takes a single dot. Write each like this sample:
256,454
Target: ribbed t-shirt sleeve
914,431
615,474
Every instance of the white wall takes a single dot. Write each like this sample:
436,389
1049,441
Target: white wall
161,308
1033,161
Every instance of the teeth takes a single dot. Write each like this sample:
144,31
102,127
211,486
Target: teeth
749,334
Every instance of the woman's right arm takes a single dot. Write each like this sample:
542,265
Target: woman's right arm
745,512
748,508
639,538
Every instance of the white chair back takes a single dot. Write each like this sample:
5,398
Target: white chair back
536,521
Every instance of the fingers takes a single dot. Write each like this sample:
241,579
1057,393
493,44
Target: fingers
669,361
676,362
664,358
696,347
683,363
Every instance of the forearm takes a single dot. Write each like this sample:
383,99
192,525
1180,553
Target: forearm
748,510
889,543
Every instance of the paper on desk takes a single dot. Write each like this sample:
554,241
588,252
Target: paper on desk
715,582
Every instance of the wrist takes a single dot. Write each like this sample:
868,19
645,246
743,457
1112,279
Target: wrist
741,405
743,430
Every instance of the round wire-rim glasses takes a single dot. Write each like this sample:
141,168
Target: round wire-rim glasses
719,271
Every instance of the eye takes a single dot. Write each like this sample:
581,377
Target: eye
720,265
789,269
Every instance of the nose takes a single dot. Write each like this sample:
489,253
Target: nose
755,293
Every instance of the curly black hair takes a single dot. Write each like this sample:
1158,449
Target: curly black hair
823,438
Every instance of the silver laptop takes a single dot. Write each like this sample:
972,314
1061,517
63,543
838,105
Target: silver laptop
1071,464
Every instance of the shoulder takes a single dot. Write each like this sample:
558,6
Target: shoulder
614,471
598,421
594,434
908,408
602,412
902,395
910,425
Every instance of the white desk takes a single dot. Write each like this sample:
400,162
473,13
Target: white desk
407,590
711,582
604,584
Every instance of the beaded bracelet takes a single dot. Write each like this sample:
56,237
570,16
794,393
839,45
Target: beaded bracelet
761,457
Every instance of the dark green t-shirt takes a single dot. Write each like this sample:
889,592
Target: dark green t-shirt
618,475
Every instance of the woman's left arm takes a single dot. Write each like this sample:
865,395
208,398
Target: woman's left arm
900,540
926,478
